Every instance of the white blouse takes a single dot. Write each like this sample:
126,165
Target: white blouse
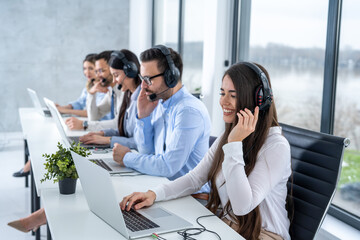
265,186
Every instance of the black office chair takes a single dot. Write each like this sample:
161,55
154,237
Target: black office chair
197,95
316,164
211,140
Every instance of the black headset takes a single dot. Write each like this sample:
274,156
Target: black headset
172,73
263,93
130,68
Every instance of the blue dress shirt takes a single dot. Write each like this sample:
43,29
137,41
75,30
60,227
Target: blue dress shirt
80,103
173,139
129,124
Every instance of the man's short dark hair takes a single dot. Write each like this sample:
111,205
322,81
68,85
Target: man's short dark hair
156,54
104,55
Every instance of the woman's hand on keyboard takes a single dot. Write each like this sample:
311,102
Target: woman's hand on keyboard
138,200
94,139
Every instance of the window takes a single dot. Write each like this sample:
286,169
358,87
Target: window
288,39
193,44
347,108
170,27
166,23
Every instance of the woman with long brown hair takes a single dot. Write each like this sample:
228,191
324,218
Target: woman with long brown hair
247,167
124,66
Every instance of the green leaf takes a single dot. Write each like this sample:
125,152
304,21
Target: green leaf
60,165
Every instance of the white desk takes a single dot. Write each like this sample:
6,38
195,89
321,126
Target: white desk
42,137
69,216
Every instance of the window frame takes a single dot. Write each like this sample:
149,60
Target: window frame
240,51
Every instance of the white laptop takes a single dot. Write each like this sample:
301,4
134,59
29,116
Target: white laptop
102,201
107,163
60,123
36,101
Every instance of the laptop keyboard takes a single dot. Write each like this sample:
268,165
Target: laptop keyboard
102,164
137,222
74,139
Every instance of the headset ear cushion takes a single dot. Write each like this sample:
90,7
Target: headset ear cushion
259,96
131,70
171,77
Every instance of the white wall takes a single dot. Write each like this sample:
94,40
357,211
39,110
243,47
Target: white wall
43,44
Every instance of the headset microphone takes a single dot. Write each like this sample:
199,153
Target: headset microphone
104,82
153,97
120,84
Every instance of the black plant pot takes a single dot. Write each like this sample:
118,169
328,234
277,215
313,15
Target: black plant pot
67,186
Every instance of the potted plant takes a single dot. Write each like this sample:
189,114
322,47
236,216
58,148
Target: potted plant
61,168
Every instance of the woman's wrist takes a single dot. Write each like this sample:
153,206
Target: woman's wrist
152,193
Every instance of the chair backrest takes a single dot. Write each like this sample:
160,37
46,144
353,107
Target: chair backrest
316,164
211,140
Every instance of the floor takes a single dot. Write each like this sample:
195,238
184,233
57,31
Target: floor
14,197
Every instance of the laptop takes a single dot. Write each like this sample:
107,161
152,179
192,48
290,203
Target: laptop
112,167
36,101
101,198
60,124
107,163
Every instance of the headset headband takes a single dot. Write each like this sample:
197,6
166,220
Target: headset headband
265,82
172,73
130,68
165,51
264,99
121,56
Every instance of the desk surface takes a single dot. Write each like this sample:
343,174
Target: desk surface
69,216
42,137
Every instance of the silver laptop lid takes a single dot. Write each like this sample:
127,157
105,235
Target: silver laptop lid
99,193
35,99
101,198
57,118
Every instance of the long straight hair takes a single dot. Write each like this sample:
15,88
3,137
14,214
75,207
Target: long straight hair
114,61
245,81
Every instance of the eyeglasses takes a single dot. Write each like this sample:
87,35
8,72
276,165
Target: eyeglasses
99,71
147,80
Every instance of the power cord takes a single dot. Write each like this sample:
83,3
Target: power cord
189,232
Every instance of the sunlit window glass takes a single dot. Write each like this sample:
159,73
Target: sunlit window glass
166,17
347,108
193,44
288,38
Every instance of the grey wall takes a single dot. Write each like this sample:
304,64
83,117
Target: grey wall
43,43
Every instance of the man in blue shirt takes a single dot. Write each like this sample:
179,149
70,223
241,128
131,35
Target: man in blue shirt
172,126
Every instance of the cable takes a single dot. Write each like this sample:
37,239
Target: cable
156,236
186,234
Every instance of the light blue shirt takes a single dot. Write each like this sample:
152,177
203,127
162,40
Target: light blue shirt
129,124
182,122
80,103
